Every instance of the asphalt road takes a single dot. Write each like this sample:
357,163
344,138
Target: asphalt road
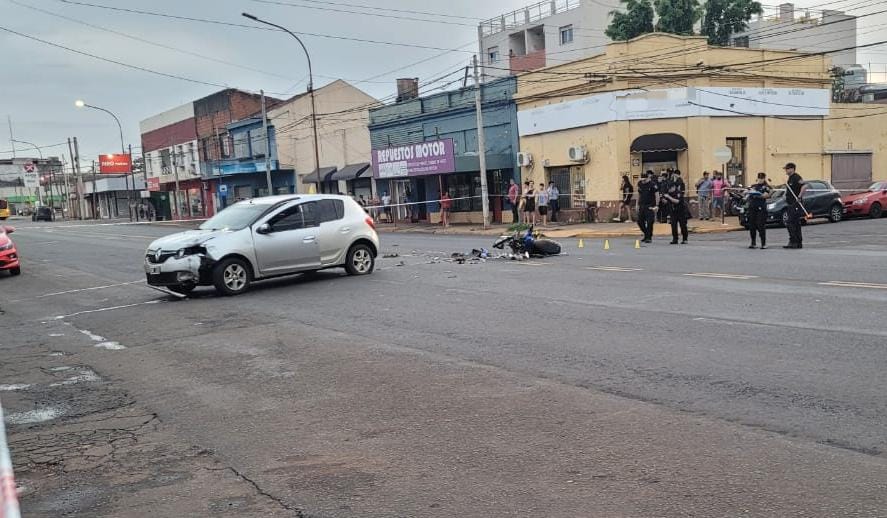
693,380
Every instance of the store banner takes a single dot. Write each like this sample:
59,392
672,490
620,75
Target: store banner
422,159
154,184
115,164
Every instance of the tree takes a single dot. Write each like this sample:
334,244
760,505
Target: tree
677,16
725,17
636,20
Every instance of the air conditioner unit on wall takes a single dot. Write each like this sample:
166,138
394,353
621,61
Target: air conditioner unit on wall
524,159
578,154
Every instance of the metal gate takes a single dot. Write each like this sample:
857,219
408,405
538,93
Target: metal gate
852,171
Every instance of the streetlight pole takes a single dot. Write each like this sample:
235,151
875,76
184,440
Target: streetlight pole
310,91
81,104
39,152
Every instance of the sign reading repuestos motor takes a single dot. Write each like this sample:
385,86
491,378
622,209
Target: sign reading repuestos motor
422,159
115,164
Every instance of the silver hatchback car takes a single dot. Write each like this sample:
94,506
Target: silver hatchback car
264,238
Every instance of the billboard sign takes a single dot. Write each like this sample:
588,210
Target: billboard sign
115,164
31,179
422,159
154,184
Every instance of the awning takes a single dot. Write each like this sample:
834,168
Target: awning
350,172
325,174
658,142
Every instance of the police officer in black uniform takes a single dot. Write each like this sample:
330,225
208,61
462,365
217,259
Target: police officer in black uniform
795,188
662,215
675,196
648,194
757,196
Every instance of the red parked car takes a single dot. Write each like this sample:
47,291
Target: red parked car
9,260
871,202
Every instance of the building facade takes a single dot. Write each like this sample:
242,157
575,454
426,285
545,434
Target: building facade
784,30
448,118
169,149
543,34
342,134
243,175
678,102
51,190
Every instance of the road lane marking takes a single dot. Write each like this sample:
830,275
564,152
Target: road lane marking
92,288
848,284
531,263
112,308
722,276
614,269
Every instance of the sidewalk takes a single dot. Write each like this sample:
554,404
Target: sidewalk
583,231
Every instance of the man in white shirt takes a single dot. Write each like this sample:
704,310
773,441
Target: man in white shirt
386,204
553,201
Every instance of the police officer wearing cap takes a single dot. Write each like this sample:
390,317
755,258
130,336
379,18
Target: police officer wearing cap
648,194
757,196
675,196
794,187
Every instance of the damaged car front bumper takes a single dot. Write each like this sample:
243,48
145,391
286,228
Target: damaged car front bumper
176,269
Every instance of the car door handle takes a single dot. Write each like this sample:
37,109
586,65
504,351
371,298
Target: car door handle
309,239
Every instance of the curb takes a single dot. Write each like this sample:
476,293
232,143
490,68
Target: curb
556,234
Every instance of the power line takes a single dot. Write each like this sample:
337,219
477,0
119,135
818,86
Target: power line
337,10
149,42
254,27
31,147
391,9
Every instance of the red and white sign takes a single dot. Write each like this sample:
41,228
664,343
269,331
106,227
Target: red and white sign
154,184
115,164
29,167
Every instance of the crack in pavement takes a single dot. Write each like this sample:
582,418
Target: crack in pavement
279,501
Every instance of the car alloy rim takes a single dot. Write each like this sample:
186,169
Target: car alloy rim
837,212
361,260
235,277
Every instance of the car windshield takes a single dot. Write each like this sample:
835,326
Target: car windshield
778,192
878,186
235,217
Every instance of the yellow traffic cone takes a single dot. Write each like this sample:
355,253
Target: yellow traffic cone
581,244
606,244
637,244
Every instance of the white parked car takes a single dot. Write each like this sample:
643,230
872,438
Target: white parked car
264,238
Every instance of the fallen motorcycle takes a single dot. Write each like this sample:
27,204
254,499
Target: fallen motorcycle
528,244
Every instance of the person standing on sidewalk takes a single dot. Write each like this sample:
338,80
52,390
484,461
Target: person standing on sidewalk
513,198
675,194
554,202
542,204
795,188
717,192
703,191
529,204
627,195
648,201
758,194
446,205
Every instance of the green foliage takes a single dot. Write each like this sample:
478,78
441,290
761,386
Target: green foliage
722,18
677,16
637,19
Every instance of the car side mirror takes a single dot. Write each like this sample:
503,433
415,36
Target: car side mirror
8,230
264,228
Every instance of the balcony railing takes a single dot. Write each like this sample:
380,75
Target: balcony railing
526,16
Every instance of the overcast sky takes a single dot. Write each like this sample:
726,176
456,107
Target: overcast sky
39,83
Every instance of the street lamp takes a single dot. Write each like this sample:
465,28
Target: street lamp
310,90
80,103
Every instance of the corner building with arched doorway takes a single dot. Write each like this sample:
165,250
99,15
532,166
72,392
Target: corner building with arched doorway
662,101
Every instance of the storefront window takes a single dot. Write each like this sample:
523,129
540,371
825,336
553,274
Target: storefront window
736,166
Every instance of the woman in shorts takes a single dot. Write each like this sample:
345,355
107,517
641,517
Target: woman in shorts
627,195
529,204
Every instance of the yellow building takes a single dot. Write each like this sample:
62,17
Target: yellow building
661,101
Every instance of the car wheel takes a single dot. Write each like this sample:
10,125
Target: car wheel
232,277
183,289
876,211
360,260
15,271
784,218
836,213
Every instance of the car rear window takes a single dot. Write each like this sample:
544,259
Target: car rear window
331,210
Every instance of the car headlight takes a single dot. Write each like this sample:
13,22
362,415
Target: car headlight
771,206
194,250
7,246
860,201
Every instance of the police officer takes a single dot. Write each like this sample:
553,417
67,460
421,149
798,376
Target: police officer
795,188
675,196
648,201
662,215
757,196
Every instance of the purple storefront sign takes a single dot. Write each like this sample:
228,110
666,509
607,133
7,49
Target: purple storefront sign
425,158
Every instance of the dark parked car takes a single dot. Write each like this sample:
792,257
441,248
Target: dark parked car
821,199
42,214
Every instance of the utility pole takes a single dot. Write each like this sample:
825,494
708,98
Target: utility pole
74,172
11,136
481,145
67,184
267,147
132,210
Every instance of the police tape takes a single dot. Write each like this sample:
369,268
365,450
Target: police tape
9,507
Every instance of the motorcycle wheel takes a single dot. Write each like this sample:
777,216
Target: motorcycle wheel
546,247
